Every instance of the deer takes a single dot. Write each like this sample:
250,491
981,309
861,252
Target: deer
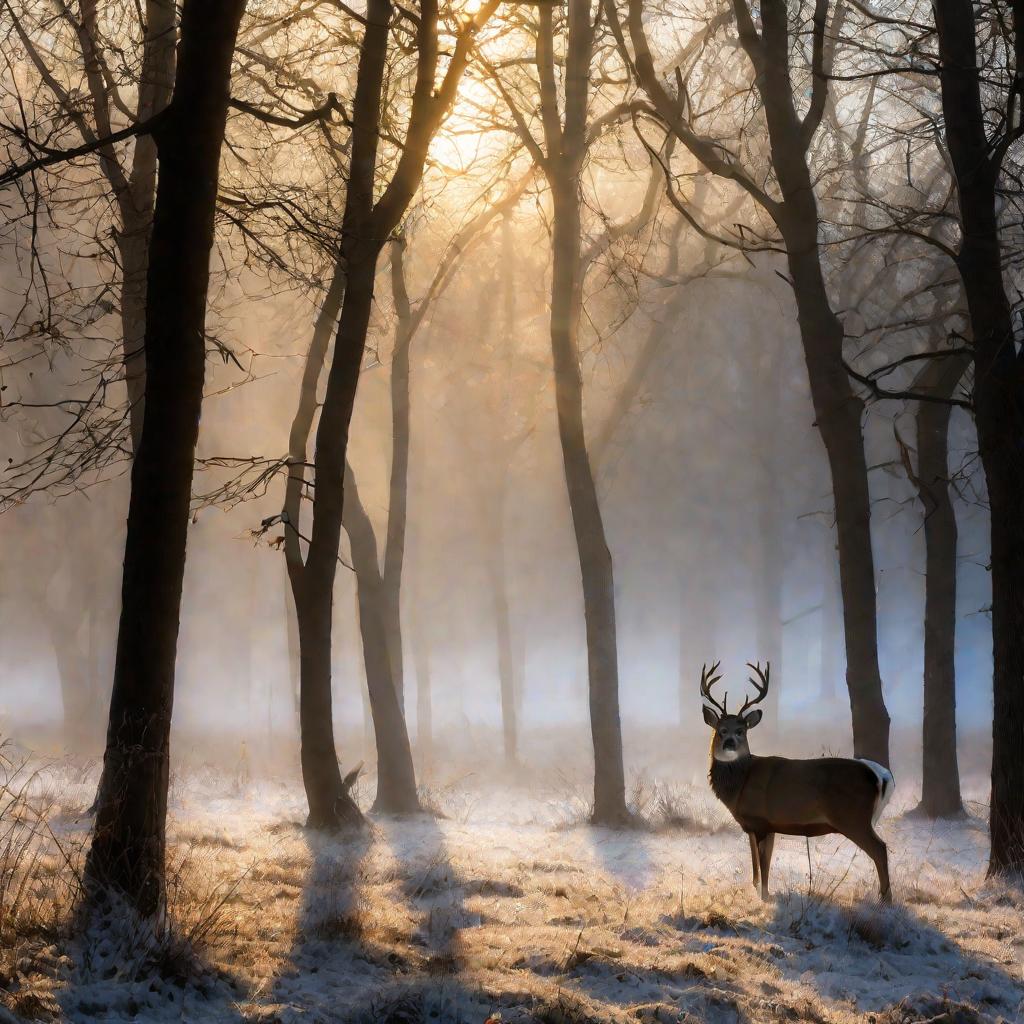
792,796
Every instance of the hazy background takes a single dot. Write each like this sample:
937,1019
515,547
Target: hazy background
681,483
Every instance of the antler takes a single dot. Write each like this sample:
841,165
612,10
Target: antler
707,680
761,687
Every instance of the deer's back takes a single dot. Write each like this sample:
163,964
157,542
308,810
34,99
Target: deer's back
805,797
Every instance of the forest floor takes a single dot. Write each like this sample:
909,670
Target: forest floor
507,908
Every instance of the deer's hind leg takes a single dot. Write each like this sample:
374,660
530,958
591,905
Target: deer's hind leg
868,840
765,845
753,858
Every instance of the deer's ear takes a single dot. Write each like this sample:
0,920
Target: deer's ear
751,718
710,717
350,780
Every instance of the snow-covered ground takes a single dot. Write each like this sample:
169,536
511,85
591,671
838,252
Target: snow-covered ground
509,908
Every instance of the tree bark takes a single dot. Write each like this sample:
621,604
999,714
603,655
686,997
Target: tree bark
396,777
998,405
129,840
940,772
156,82
366,226
588,524
134,190
566,146
398,487
833,651
351,291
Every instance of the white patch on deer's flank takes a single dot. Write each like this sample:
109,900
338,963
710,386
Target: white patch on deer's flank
886,787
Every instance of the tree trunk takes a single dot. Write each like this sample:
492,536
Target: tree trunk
294,653
768,599
588,524
398,489
313,579
837,408
321,776
366,225
128,846
999,410
839,414
768,585
156,83
314,595
396,777
496,559
940,772
833,651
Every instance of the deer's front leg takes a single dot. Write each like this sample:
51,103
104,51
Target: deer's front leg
754,858
765,846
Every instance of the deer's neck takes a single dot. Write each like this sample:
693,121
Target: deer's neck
728,779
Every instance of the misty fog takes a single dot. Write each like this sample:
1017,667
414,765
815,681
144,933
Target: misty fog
436,435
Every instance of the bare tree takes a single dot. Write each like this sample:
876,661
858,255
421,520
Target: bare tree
982,123
129,840
794,213
567,134
367,224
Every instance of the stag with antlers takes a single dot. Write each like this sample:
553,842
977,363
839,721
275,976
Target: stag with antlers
797,797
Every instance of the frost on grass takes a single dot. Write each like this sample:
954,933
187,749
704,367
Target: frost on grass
463,917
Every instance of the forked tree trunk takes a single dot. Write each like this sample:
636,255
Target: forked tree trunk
314,595
366,225
940,772
999,409
128,847
396,777
312,578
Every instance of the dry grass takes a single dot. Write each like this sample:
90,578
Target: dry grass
39,875
450,919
